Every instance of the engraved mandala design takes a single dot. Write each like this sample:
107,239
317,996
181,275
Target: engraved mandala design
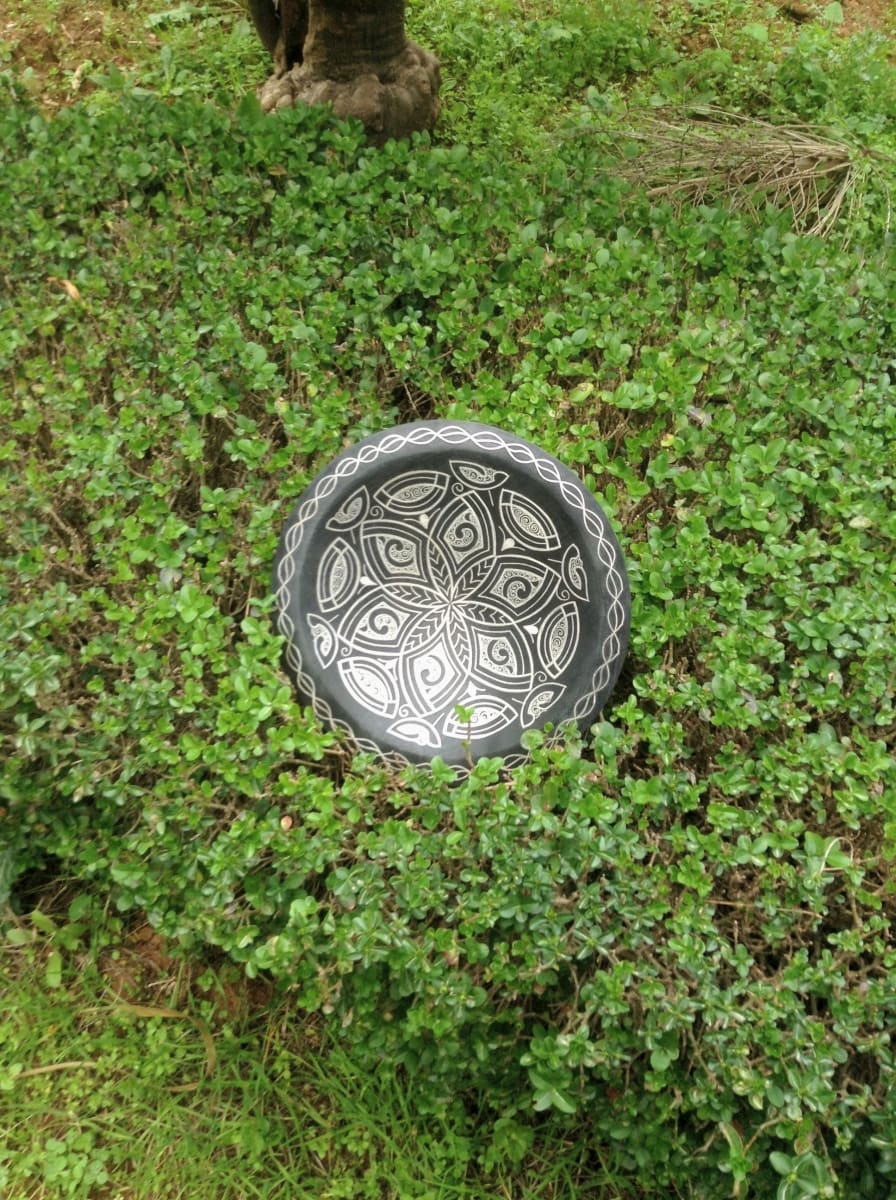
444,586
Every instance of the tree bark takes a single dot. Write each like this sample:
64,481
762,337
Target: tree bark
350,38
354,56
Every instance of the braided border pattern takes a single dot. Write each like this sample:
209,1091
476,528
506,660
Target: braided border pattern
451,435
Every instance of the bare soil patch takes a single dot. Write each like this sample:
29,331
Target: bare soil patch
860,15
58,45
144,968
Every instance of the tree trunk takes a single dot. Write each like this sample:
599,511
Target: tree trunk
352,54
282,26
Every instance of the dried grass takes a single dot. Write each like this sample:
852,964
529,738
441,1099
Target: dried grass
710,155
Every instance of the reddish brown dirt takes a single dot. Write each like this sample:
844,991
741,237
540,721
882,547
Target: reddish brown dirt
57,45
859,15
143,968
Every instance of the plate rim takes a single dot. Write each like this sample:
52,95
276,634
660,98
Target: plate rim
488,439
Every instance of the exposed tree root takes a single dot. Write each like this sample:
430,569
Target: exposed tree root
397,101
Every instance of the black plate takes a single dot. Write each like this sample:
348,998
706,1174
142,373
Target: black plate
446,566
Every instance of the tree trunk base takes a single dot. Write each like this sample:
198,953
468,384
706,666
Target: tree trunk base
393,104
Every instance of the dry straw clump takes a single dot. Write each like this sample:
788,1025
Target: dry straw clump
709,155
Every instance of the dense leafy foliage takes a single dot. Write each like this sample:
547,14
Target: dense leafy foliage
680,924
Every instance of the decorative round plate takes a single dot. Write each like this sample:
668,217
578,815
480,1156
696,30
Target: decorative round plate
445,586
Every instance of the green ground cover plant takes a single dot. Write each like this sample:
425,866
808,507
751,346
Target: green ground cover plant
664,948
156,1079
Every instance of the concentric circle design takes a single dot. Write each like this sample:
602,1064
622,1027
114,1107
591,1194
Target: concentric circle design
443,587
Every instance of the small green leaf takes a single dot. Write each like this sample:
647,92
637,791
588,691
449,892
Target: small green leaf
757,31
42,922
660,1059
8,1076
781,1162
19,937
775,1096
53,970
79,907
552,1098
